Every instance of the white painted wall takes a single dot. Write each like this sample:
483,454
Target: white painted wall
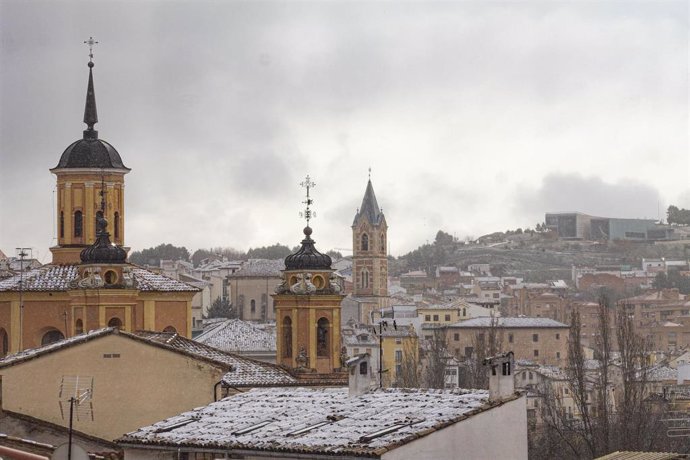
499,433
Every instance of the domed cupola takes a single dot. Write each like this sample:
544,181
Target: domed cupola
90,151
307,257
102,251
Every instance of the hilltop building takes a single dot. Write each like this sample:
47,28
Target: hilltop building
89,284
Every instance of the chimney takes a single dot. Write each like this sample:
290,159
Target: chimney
360,378
501,384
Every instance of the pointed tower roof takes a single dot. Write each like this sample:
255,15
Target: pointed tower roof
370,207
90,151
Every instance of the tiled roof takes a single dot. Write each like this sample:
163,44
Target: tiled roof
237,336
527,322
317,421
245,371
46,278
59,277
260,267
149,281
659,373
36,352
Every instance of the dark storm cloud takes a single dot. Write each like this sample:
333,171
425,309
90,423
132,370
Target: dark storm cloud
591,195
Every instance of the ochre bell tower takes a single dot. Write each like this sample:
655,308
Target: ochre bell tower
86,168
307,304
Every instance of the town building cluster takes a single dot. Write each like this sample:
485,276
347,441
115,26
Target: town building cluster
320,358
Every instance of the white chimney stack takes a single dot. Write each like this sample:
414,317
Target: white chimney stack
501,384
360,378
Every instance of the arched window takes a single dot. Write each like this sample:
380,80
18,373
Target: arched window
51,337
62,224
116,225
365,242
170,330
364,283
253,306
464,311
287,337
240,305
322,339
115,322
79,327
383,243
78,224
4,342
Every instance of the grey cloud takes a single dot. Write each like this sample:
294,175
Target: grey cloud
591,195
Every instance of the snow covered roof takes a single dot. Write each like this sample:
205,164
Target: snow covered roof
528,322
260,267
245,371
237,336
314,421
59,277
659,373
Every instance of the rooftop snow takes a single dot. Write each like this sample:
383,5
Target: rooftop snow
527,322
59,277
295,418
245,371
237,336
260,267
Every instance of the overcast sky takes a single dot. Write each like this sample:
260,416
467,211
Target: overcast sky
473,116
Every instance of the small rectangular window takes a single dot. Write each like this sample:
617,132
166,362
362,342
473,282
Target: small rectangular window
447,317
510,338
427,317
456,337
435,317
536,353
558,336
558,355
535,337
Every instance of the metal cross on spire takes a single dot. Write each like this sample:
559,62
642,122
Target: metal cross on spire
308,214
90,42
369,172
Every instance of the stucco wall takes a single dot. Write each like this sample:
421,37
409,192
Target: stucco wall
145,384
499,433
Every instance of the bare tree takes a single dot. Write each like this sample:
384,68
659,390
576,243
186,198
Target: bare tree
434,357
577,381
603,348
408,375
485,343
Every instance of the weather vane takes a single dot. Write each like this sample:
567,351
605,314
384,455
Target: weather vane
308,214
90,42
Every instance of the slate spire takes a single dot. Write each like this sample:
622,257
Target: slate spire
90,113
370,207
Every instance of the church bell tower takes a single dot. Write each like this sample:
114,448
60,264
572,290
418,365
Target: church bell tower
87,168
307,304
369,250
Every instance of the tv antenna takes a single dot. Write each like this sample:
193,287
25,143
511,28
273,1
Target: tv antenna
21,253
76,393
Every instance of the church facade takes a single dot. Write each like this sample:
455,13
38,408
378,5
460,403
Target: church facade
89,284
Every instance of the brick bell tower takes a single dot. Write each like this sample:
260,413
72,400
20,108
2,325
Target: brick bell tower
369,250
307,304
